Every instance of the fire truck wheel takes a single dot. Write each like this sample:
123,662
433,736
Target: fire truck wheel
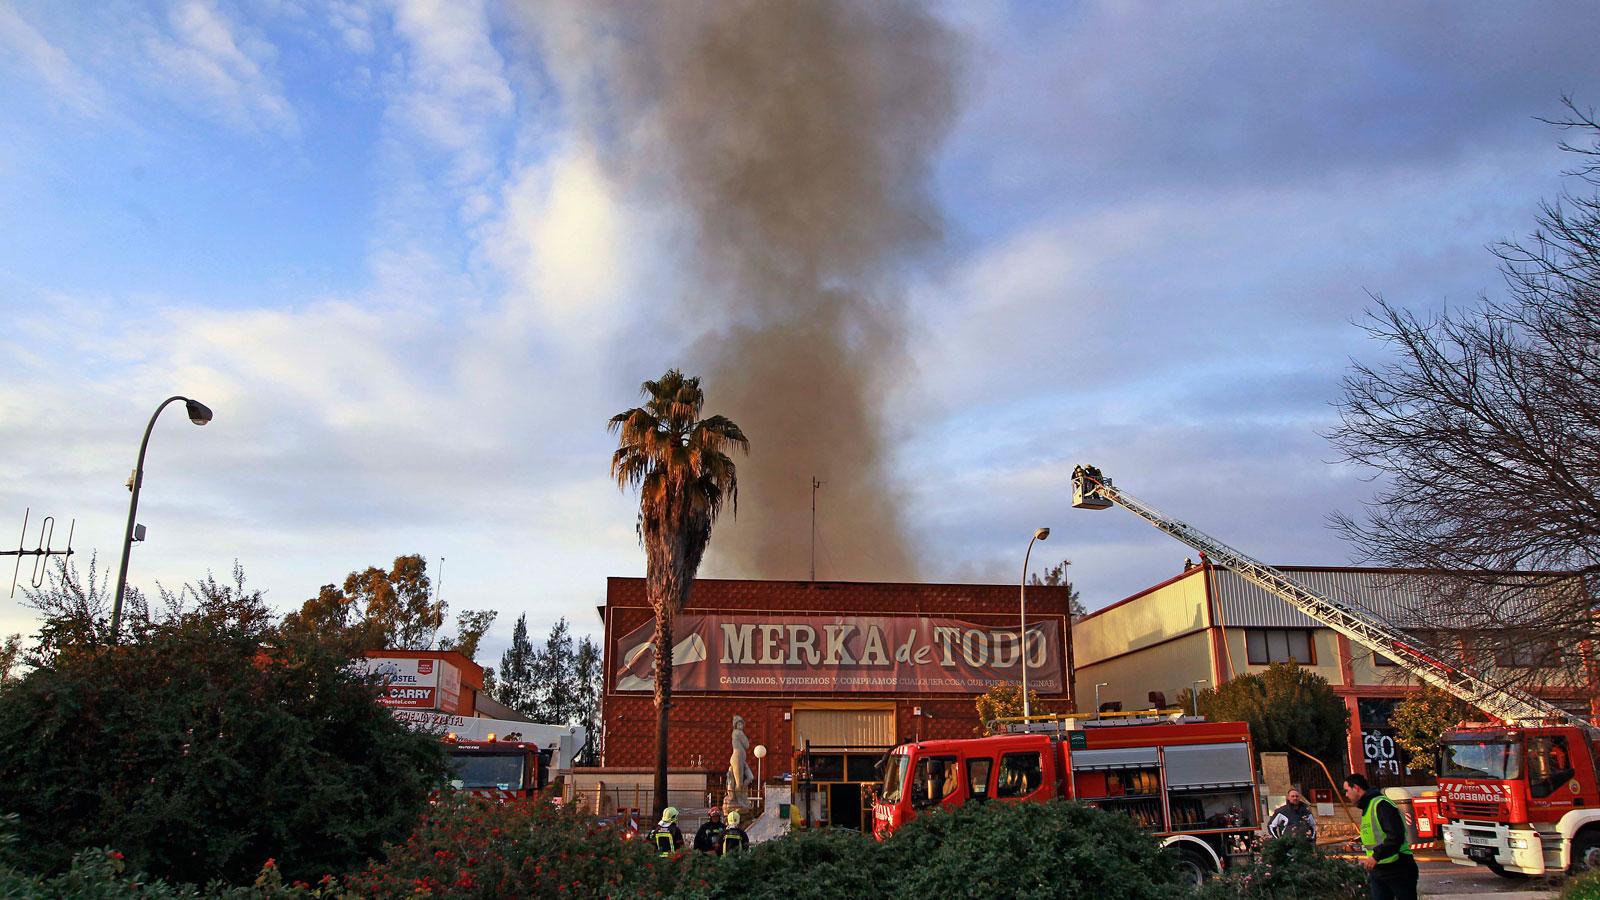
1586,850
1194,867
1503,872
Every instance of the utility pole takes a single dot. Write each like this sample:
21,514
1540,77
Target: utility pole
815,484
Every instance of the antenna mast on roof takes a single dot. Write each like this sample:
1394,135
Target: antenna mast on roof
814,485
41,552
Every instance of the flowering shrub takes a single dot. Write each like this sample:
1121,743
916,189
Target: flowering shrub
466,847
1290,868
1582,887
103,875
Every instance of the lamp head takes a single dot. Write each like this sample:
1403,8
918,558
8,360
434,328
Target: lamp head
1041,534
199,413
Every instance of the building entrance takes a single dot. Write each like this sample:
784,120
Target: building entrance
832,784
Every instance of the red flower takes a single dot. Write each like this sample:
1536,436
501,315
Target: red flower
115,855
270,863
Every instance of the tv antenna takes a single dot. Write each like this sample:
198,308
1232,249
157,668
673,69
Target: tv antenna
814,485
41,552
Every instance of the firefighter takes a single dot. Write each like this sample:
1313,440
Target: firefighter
1391,869
709,836
667,836
734,840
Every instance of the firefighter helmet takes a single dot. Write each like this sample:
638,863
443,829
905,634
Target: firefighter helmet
669,815
733,819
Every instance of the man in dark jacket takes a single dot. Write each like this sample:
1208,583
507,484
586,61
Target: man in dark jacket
1391,870
708,839
1293,818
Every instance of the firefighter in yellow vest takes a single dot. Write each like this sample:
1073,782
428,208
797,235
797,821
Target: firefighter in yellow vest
667,837
734,840
1391,869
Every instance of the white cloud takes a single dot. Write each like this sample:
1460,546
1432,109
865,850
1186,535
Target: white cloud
49,63
457,97
221,65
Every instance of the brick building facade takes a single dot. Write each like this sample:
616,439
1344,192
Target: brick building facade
920,682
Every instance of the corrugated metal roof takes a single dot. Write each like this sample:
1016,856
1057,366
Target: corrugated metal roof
1404,599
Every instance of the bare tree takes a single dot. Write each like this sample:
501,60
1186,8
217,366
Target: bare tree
1482,430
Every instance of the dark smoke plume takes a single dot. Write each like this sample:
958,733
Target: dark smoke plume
799,135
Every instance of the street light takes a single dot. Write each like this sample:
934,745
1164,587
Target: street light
1195,695
761,757
1097,687
199,414
1022,634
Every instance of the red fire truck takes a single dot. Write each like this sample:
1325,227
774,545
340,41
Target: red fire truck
1520,797
1188,781
496,769
1521,800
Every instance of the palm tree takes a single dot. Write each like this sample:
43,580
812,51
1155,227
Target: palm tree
680,464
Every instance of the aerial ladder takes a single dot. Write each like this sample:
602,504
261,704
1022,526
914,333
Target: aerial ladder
1092,490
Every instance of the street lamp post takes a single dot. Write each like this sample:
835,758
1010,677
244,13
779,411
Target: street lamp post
1195,695
761,785
1097,687
1022,633
199,414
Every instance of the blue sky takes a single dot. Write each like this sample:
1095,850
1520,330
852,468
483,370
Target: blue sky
386,242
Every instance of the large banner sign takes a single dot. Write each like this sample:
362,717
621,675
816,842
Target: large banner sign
828,654
417,683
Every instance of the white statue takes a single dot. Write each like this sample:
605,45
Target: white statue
739,774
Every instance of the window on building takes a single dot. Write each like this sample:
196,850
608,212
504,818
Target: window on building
1020,775
1270,645
1525,653
1378,659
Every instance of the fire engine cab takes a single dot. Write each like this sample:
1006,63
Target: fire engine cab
1520,800
1185,780
496,769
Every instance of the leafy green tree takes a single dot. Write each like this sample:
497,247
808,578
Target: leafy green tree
1421,720
204,742
588,666
1287,708
1004,700
680,465
514,679
1056,576
556,677
393,608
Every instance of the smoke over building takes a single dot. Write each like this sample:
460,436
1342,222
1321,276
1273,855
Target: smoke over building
797,138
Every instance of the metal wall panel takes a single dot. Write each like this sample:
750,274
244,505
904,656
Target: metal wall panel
1117,758
844,727
1206,764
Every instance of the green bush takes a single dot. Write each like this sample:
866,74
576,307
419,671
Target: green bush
821,864
1055,849
1290,868
202,746
104,875
1582,887
466,847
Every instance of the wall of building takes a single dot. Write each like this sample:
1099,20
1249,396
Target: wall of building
1169,667
1170,609
701,723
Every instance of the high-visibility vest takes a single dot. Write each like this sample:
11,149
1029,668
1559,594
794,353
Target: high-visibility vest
664,842
1372,833
733,841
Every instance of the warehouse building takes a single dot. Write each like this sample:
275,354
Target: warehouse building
826,676
1206,625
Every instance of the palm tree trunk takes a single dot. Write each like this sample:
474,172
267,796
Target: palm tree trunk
663,667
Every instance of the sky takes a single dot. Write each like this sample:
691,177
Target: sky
415,254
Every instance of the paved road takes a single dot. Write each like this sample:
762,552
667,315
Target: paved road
1443,879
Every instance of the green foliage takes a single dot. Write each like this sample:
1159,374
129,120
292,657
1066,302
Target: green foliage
471,848
202,745
102,874
1004,700
820,864
1421,720
1287,707
1290,868
378,609
1582,887
1056,576
1055,849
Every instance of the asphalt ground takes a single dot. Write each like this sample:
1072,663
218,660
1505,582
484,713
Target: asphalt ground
1443,879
